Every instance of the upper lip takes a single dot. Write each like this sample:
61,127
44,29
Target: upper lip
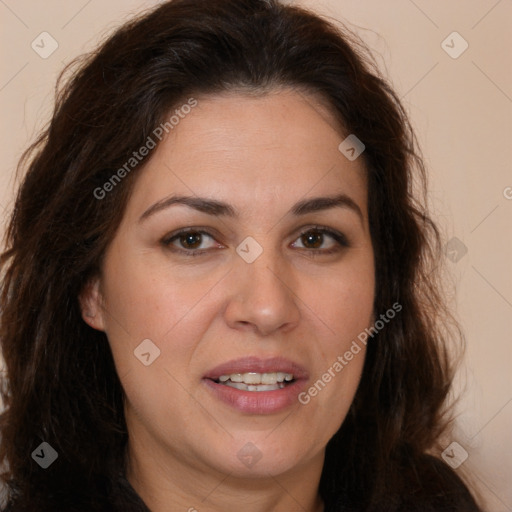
258,365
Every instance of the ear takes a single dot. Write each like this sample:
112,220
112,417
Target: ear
90,300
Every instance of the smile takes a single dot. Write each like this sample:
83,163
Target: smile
253,381
252,385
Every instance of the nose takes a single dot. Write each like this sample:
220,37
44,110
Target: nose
262,297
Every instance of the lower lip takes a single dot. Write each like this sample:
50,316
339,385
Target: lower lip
257,402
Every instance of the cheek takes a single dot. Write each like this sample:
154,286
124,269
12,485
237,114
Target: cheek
144,304
343,310
344,303
173,312
150,301
347,312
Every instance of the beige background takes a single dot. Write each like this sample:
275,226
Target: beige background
462,110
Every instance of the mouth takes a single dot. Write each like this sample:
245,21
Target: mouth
257,386
256,382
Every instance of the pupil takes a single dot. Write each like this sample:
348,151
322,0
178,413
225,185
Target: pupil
191,241
313,239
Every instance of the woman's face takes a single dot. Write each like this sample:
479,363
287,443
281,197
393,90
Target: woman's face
273,280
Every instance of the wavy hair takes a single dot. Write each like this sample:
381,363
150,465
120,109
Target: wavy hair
61,386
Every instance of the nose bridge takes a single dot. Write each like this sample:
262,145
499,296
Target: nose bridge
263,277
266,273
262,291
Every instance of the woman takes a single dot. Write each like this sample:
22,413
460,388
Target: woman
219,290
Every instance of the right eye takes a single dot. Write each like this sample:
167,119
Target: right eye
190,241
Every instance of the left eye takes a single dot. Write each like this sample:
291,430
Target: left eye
315,239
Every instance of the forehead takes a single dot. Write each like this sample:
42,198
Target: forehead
252,151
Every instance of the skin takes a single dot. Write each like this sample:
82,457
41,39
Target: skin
261,155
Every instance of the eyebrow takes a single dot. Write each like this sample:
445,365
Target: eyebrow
219,208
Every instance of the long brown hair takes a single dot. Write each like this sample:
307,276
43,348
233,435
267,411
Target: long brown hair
61,385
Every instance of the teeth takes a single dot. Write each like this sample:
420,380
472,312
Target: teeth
269,378
258,387
251,378
257,380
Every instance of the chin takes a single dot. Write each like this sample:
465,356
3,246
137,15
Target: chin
259,459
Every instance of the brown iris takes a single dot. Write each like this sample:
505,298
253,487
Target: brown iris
312,239
191,240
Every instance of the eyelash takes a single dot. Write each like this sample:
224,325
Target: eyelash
340,238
